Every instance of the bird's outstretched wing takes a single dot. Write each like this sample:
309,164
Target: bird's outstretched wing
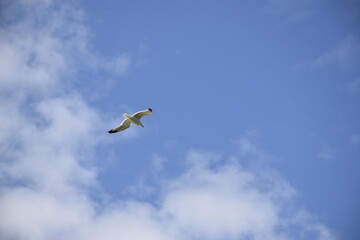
124,125
140,114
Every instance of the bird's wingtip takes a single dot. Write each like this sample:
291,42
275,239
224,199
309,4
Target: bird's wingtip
111,131
150,109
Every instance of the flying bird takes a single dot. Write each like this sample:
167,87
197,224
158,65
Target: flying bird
135,118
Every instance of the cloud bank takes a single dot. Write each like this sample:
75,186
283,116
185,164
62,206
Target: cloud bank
47,144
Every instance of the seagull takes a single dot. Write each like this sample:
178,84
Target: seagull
135,118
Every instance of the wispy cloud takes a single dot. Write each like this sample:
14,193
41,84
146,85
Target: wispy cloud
292,11
119,65
346,55
353,87
355,139
327,153
158,162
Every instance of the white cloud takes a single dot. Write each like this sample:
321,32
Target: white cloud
36,49
52,149
131,220
43,128
47,139
222,204
34,215
229,202
205,202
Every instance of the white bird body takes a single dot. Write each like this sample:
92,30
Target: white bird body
135,118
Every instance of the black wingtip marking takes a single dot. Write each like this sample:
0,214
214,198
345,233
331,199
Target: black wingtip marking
150,109
111,131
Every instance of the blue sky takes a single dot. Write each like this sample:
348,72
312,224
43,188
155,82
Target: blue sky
255,132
